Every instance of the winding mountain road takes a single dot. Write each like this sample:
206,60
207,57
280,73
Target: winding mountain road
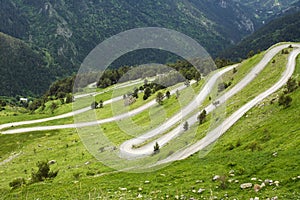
126,149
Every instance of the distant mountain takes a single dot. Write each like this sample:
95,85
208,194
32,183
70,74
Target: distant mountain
265,11
279,30
23,70
69,29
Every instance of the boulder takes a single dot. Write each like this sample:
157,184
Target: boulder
256,187
51,162
201,190
246,185
216,177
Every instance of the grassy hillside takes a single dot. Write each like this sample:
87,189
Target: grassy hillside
262,145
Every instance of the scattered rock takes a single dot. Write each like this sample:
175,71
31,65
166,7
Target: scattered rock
274,198
262,185
201,190
87,163
256,187
139,196
123,189
231,175
256,198
163,175
199,181
231,171
147,182
216,177
276,183
253,179
298,177
140,189
268,181
246,185
275,154
193,191
51,162
236,181
230,180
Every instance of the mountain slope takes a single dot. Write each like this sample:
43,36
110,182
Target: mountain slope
23,71
283,29
70,29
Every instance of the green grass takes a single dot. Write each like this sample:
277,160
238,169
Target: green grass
269,128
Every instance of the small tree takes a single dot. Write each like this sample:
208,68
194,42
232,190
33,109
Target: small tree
159,98
291,85
94,105
187,83
156,148
100,104
53,107
168,94
202,117
186,126
285,101
234,70
43,172
69,98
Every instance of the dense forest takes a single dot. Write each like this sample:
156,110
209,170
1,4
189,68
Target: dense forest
23,70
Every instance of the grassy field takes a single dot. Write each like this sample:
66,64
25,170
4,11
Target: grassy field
264,144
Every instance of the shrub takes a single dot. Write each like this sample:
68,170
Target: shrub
43,172
16,183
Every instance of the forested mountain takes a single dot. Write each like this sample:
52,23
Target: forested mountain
23,71
282,29
267,10
70,29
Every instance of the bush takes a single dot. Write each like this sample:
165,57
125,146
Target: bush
43,172
16,183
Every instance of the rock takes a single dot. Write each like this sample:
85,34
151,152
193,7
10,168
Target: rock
230,180
298,177
123,189
139,196
163,175
51,162
147,182
199,181
274,198
236,181
268,181
140,189
256,187
262,185
231,171
276,183
275,154
201,190
246,185
216,177
253,179
256,198
231,175
87,163
193,191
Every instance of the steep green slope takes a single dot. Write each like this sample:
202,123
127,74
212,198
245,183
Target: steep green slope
260,147
23,70
283,29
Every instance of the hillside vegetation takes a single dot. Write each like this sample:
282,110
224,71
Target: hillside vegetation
282,29
261,148
23,70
